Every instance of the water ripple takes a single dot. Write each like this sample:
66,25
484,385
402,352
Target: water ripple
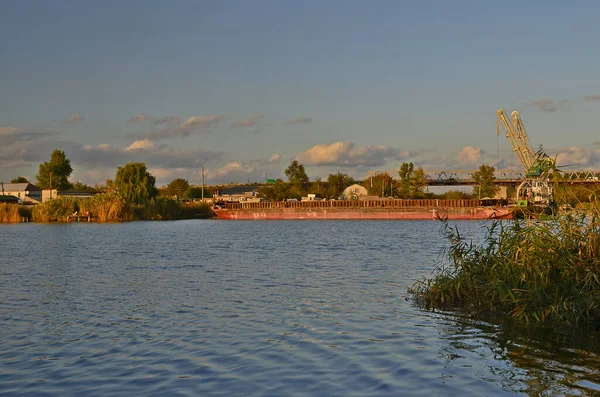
255,309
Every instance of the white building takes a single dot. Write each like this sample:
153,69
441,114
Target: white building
28,193
355,192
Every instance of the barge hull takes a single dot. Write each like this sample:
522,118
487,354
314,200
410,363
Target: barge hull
476,213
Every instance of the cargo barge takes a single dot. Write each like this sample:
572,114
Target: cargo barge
361,210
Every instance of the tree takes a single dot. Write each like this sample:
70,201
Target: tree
177,187
54,174
484,178
135,183
196,192
412,181
20,179
296,174
337,183
380,185
82,187
277,191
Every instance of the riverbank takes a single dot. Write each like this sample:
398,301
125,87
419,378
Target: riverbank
108,207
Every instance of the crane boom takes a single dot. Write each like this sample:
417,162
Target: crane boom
517,138
521,136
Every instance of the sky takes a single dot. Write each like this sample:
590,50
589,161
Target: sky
243,88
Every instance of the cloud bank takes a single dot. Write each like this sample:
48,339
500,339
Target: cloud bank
347,154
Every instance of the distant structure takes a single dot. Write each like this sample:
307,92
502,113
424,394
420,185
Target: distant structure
355,192
26,192
237,193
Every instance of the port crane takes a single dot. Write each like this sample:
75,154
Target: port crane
535,188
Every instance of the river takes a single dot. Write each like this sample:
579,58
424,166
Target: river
258,308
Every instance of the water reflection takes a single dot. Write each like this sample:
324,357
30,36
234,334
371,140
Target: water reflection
535,360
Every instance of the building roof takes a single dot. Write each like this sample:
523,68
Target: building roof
8,199
239,190
19,187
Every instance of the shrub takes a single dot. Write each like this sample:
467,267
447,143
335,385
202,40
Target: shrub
534,271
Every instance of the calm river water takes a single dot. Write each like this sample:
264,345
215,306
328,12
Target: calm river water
271,308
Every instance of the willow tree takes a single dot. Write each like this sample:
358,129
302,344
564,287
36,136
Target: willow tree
135,183
55,173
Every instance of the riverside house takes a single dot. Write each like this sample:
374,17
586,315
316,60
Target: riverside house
26,192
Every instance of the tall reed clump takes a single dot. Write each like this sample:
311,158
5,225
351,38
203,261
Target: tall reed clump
162,208
533,271
108,207
9,213
56,210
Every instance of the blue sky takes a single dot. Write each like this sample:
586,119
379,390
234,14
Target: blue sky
242,88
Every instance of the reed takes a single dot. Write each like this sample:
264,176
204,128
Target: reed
533,271
108,207
9,213
57,210
162,208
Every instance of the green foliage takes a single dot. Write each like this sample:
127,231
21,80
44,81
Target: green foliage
20,179
277,191
196,192
135,183
380,185
296,174
456,195
162,208
54,174
177,187
484,177
57,210
536,272
337,183
412,182
82,187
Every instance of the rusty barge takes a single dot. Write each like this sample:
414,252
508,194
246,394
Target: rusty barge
393,209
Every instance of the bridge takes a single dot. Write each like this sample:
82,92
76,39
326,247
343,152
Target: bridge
503,177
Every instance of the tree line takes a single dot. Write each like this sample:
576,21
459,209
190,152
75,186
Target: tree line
137,185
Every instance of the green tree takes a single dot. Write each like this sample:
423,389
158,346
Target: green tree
135,184
20,179
82,187
296,173
418,183
412,181
196,192
337,183
277,191
54,174
177,187
380,185
484,178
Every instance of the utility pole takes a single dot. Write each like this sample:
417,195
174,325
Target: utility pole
202,183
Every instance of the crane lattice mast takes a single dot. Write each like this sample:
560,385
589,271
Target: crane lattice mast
515,132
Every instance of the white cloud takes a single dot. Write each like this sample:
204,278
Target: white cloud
74,119
9,130
140,118
300,120
469,155
198,122
347,154
249,121
142,144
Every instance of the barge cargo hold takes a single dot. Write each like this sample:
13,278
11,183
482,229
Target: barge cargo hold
361,210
